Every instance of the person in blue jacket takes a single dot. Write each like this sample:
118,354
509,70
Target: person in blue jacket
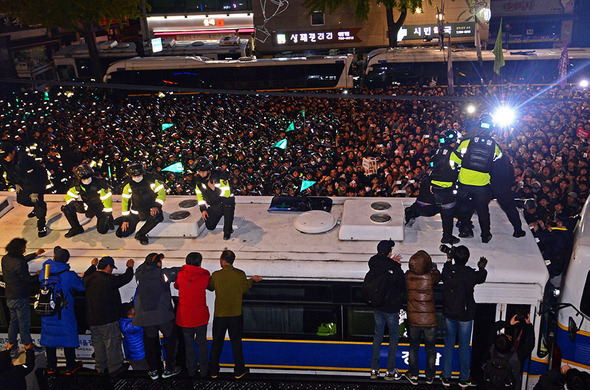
61,330
133,339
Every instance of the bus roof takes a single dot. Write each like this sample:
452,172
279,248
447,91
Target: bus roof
268,244
171,47
431,54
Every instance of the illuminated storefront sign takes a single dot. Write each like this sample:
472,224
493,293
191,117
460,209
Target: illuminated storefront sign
431,31
161,25
317,37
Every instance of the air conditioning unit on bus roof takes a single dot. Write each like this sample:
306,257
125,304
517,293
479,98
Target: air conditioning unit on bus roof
229,41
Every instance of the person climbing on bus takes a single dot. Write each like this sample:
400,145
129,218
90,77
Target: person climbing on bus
459,309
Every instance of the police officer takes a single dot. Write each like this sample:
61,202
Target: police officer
443,179
142,200
91,195
502,180
215,196
29,179
425,204
475,156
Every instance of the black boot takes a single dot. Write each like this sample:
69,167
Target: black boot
74,231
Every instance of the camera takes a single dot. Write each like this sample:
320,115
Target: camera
448,250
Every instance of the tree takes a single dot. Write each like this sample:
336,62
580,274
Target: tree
362,7
75,15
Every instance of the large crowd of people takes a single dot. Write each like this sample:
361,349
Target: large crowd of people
377,145
324,139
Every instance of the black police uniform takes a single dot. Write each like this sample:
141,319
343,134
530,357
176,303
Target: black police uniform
502,179
94,199
425,204
443,177
24,171
218,203
138,200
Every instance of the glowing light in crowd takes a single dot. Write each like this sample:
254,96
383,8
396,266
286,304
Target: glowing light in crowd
584,83
504,116
470,109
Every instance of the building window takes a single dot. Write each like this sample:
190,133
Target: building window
317,18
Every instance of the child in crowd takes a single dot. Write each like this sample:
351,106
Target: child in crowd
133,339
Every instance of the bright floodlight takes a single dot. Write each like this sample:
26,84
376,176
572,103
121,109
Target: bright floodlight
470,109
584,83
504,116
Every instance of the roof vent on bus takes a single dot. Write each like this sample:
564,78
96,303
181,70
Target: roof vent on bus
315,222
229,41
197,43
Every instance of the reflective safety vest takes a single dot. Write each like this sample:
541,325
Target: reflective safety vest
208,197
475,156
98,191
142,195
444,170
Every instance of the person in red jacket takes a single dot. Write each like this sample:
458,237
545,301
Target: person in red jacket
193,314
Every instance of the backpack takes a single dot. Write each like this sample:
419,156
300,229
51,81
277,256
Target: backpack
375,287
50,299
455,298
497,374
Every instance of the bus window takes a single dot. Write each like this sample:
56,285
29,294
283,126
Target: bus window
292,321
360,321
585,302
293,292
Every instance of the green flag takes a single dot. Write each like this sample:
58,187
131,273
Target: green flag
291,127
174,168
167,126
305,184
499,56
282,144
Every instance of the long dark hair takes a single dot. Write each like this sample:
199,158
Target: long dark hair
16,247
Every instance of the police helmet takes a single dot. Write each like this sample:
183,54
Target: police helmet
202,164
449,136
486,121
135,169
6,148
83,171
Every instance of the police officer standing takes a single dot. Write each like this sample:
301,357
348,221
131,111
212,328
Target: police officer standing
215,196
502,180
91,195
29,179
142,200
475,156
443,179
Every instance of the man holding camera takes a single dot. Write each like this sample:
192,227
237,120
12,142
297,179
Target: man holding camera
459,308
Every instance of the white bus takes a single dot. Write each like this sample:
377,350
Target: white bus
571,331
73,61
316,72
307,316
420,66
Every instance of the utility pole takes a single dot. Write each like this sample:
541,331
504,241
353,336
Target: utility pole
145,31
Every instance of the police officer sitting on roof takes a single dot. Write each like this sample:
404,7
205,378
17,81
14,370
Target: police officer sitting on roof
443,179
215,196
91,195
475,155
142,200
29,179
